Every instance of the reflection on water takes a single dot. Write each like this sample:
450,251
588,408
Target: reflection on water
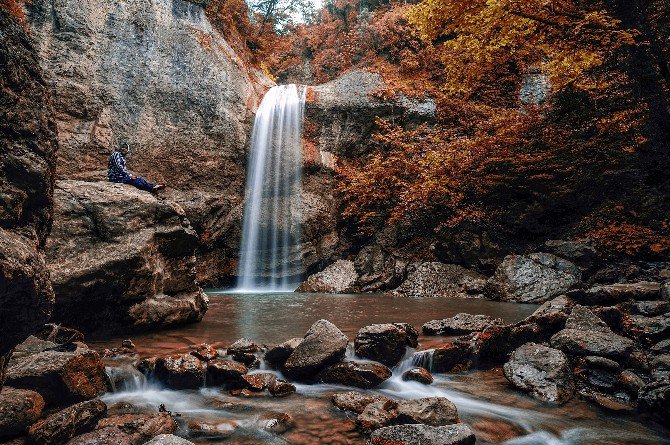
497,413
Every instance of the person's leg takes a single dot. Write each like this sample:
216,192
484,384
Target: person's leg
141,184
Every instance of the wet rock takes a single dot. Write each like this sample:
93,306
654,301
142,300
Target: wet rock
281,388
450,357
660,366
542,371
104,436
141,427
607,401
654,400
379,268
601,362
244,393
63,425
181,371
459,434
662,347
377,415
226,373
616,293
277,355
168,439
460,324
60,377
243,351
440,280
259,381
27,171
324,344
434,411
19,409
553,313
277,423
338,278
147,366
106,233
358,374
124,377
533,278
205,352
213,430
583,319
603,344
355,401
59,334
650,308
420,375
128,344
648,328
385,343
631,381
665,290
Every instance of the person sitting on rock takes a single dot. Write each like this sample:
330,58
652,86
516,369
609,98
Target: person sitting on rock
117,172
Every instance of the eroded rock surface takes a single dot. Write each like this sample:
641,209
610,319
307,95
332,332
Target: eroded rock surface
338,278
460,324
121,259
441,280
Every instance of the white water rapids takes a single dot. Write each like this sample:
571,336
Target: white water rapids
269,257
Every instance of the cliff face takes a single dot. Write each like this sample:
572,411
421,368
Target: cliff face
155,74
28,148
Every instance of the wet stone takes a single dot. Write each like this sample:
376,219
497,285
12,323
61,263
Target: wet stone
205,352
459,434
212,429
355,401
276,422
420,375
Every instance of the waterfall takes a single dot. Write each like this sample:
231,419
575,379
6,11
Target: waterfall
269,253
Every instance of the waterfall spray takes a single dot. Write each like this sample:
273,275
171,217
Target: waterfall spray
269,253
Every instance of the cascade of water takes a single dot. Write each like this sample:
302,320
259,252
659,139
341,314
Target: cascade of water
269,253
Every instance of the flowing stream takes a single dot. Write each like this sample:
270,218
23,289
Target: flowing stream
498,413
269,256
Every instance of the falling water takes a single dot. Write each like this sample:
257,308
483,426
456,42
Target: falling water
269,256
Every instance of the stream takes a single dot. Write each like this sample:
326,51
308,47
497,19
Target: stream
485,400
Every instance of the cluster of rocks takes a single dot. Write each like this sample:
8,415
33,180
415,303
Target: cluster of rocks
51,397
610,344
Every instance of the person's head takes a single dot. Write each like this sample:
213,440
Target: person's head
124,148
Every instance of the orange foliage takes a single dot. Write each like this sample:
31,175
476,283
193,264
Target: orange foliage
16,8
632,239
232,19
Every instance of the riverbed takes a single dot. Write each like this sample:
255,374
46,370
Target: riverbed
496,411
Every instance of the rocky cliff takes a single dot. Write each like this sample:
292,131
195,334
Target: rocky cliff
120,258
155,74
27,160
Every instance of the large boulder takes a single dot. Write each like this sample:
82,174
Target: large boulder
440,280
608,294
227,373
324,344
543,371
27,170
59,376
141,427
460,324
181,371
338,278
277,355
159,76
385,343
434,411
63,425
459,434
113,233
19,408
533,278
358,374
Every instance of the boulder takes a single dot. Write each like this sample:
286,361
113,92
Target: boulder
583,319
19,408
277,423
281,388
665,290
660,367
582,253
385,343
338,278
113,233
103,436
654,400
277,355
141,427
58,334
379,269
324,344
205,352
226,373
377,415
63,425
650,308
459,434
355,401
542,371
553,313
181,371
533,278
168,439
212,430
609,294
648,328
259,381
440,280
460,324
662,347
420,375
358,374
27,172
244,351
60,377
434,411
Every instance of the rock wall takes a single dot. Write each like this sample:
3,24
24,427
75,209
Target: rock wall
121,259
28,148
157,75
